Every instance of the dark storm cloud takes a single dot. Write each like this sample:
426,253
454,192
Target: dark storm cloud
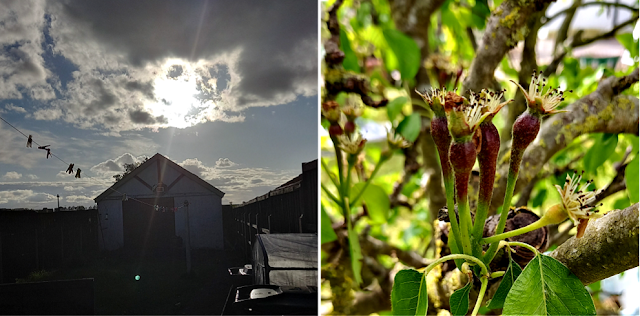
277,39
146,88
141,117
105,98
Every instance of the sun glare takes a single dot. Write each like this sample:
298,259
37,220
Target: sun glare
176,93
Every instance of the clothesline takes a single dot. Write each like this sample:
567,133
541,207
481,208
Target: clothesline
70,166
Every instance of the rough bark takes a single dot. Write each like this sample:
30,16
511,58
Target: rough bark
599,112
506,26
608,247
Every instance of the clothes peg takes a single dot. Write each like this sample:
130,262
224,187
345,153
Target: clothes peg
29,141
45,148
70,169
125,197
78,173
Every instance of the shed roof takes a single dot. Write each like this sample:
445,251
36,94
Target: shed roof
160,159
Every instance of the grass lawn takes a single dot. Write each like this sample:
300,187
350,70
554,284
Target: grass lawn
163,287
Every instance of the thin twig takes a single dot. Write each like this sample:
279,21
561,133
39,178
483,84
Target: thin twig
612,4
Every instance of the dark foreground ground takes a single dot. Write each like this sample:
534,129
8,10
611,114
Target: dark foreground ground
163,286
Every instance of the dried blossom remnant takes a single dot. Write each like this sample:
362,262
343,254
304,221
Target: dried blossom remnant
577,202
435,99
397,141
331,111
464,117
540,101
490,101
351,145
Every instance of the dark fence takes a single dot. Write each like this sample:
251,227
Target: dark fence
291,208
66,297
31,241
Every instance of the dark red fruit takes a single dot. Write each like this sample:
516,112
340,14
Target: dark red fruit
335,130
349,127
462,156
525,130
487,158
442,139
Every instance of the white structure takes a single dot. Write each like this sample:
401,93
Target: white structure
146,210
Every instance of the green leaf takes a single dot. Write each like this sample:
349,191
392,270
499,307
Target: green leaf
459,300
377,201
350,61
631,177
355,253
547,287
409,293
327,234
395,107
510,276
409,128
406,52
480,13
629,43
603,147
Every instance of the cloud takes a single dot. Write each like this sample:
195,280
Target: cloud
224,162
164,63
34,194
14,108
12,175
114,166
239,184
32,176
25,196
71,188
80,199
23,69
13,148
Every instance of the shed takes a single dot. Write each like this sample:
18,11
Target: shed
145,210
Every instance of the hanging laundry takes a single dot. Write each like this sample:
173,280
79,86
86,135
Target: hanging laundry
70,169
78,173
156,207
47,149
29,142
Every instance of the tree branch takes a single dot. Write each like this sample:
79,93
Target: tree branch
506,26
563,32
373,247
612,4
599,112
617,184
578,41
613,236
525,194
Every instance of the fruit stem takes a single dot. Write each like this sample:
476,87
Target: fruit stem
544,221
514,166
